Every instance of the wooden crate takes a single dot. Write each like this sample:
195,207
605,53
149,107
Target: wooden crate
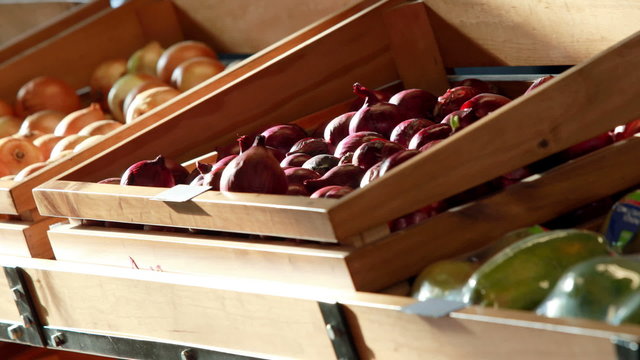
24,26
263,320
119,32
360,244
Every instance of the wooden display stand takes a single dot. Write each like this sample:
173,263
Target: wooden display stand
73,54
359,253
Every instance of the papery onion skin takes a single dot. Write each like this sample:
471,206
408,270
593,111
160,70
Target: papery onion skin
321,163
46,93
131,95
68,143
192,72
121,88
179,52
148,173
100,127
46,143
380,118
297,190
415,103
353,141
45,121
405,130
295,160
428,134
346,159
149,100
297,175
452,100
9,125
255,170
105,75
371,153
77,120
342,175
338,128
331,192
145,59
16,154
366,95
283,137
310,146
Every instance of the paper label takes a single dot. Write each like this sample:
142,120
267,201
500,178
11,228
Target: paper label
623,225
434,307
181,193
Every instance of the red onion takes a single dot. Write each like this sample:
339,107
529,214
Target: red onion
395,160
513,177
310,146
321,163
426,135
403,133
429,145
225,160
371,153
343,175
370,175
587,146
460,119
213,176
539,82
453,99
331,192
148,173
417,216
627,130
282,137
481,86
415,103
366,95
295,160
381,118
470,195
180,174
338,128
297,189
298,175
483,104
197,175
346,159
353,142
256,170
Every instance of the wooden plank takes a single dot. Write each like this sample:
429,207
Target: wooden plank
415,49
467,333
504,32
12,240
22,192
48,29
169,307
278,215
465,229
554,117
8,309
303,264
7,205
37,239
18,17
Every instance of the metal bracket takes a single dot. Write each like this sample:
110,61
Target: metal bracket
626,349
338,331
30,330
121,347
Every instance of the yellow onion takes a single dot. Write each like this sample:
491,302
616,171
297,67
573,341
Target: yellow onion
74,122
195,71
66,144
45,121
105,75
145,59
17,153
46,143
24,173
5,109
137,90
88,142
119,92
46,93
100,127
149,100
177,53
9,125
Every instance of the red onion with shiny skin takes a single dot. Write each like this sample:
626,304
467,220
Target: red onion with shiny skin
148,173
381,118
197,175
310,146
282,137
483,104
180,174
298,175
331,192
346,159
395,160
429,145
417,216
297,189
587,146
460,119
453,99
338,128
256,170
353,142
371,153
539,82
343,175
370,175
404,131
366,95
481,86
415,103
295,160
426,135
321,163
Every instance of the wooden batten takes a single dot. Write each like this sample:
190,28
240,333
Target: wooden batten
8,308
27,239
553,119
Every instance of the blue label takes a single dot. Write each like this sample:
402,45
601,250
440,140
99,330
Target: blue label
623,225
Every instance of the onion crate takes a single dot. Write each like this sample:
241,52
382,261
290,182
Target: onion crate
416,46
73,54
266,320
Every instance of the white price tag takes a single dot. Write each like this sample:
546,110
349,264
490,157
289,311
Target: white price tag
181,193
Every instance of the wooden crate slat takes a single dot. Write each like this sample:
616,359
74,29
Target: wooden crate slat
539,124
516,33
12,241
303,264
290,216
8,308
7,206
558,191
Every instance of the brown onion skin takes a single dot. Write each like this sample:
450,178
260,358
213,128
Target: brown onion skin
192,72
371,174
177,54
371,153
297,175
415,103
479,85
539,82
283,137
295,160
338,128
453,99
46,93
149,173
395,160
353,141
404,131
380,118
431,133
256,170
460,119
342,175
321,163
485,103
45,121
331,192
310,146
